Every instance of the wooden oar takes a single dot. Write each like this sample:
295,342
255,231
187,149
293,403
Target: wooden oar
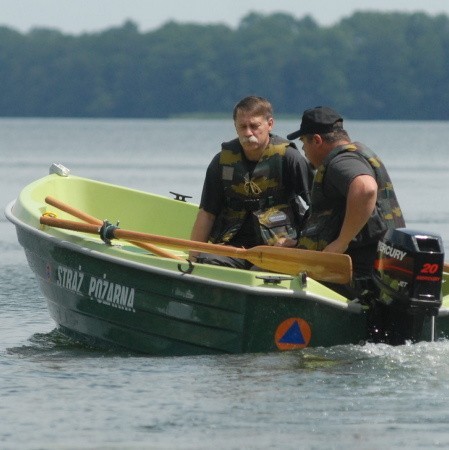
93,220
330,267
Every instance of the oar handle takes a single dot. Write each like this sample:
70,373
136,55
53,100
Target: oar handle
73,211
93,220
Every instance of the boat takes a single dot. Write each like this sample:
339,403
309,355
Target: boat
113,265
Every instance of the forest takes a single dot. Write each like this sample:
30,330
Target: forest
370,65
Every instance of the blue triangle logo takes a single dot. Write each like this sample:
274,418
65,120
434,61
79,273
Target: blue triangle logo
293,335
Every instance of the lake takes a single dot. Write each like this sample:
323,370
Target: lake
57,394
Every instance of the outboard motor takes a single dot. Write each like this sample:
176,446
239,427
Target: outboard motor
408,276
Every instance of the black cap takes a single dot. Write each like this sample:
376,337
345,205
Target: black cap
317,121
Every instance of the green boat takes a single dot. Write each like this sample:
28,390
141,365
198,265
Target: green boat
141,293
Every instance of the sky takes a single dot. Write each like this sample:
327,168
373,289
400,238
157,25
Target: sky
79,16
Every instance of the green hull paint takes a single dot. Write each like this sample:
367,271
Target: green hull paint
121,296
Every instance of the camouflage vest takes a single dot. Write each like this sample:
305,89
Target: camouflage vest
260,194
326,215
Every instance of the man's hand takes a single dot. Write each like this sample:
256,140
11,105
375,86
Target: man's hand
286,242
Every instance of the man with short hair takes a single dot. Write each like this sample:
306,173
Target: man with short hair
250,193
353,201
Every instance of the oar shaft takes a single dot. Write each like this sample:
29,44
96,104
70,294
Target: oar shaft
181,244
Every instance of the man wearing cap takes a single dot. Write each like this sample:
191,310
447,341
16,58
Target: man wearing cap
353,201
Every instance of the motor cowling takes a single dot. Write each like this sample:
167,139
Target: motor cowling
408,271
407,280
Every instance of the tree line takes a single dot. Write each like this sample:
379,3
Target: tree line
368,66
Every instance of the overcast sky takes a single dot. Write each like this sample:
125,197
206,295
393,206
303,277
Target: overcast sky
77,16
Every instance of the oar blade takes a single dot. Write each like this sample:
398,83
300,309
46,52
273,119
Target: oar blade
321,266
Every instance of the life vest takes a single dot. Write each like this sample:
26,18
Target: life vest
326,215
260,194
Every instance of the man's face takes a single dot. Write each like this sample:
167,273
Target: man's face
253,132
311,147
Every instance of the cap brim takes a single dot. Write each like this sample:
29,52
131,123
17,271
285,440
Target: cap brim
294,135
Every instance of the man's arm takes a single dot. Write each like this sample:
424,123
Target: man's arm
201,229
360,203
211,200
298,172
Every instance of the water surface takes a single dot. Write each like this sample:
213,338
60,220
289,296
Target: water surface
58,394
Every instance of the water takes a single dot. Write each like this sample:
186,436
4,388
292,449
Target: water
56,394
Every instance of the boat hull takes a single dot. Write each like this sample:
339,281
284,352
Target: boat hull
123,297
163,312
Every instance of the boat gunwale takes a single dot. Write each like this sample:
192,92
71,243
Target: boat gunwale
262,291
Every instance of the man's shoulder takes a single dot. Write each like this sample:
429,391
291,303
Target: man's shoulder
215,159
293,155
231,145
347,153
276,140
350,162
